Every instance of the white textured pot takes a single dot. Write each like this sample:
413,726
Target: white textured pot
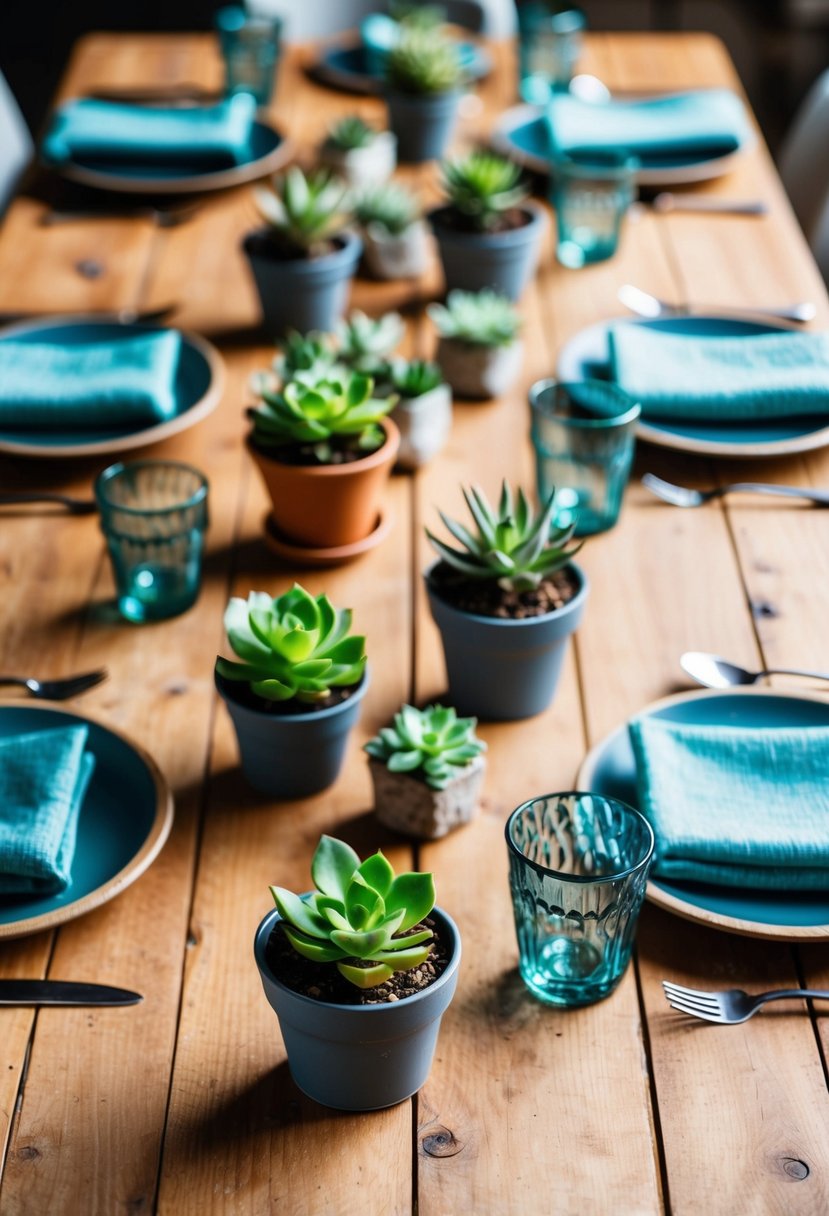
408,805
404,256
479,371
360,167
424,423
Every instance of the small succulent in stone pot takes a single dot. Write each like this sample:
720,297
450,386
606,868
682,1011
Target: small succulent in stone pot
479,348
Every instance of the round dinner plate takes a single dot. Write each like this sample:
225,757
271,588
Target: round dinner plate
343,66
267,152
585,357
198,388
125,819
521,134
610,769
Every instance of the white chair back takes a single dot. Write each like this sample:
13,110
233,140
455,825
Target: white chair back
804,167
15,144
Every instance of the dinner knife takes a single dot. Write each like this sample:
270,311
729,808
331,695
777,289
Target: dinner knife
63,992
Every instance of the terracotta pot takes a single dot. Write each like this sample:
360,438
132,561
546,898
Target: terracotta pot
328,505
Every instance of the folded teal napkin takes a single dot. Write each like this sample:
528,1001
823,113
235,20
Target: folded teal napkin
691,377
195,137
736,806
128,382
43,779
705,123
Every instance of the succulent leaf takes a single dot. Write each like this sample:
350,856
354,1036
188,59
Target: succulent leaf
481,186
305,212
333,867
340,409
481,318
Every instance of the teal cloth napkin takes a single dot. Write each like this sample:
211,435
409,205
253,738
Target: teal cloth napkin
128,382
43,779
705,123
736,806
694,377
194,137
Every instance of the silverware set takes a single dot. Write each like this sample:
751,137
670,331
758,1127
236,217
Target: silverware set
644,304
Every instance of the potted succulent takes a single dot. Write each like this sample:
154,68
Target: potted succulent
479,350
297,692
488,234
325,449
423,92
304,259
423,413
359,973
395,239
505,603
308,356
427,771
365,344
358,152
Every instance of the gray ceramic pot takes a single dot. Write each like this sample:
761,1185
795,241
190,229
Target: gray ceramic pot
504,261
360,1057
302,293
504,669
292,756
423,124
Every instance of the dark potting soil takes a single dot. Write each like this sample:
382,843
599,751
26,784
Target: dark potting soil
306,456
243,694
323,982
488,599
454,221
267,243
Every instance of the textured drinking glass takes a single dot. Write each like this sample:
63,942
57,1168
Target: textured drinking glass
583,436
550,46
250,49
154,515
578,866
591,199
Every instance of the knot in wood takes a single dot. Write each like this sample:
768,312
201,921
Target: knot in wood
796,1168
441,1143
28,1153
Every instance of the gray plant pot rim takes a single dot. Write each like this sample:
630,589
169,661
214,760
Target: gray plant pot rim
507,622
224,686
510,236
350,249
260,943
462,344
426,100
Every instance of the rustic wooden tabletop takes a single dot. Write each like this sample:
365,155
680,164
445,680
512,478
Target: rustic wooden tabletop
184,1103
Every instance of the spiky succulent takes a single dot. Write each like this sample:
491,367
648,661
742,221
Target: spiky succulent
359,913
481,187
336,412
412,378
390,206
481,318
423,62
293,646
350,133
305,213
418,16
514,546
433,743
365,344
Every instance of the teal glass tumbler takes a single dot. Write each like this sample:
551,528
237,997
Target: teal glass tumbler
250,47
154,516
591,199
578,868
550,44
584,436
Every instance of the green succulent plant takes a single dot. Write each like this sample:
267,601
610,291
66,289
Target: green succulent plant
359,913
390,206
305,213
423,62
310,355
481,318
296,645
514,546
481,187
433,743
334,413
418,16
365,344
412,378
350,133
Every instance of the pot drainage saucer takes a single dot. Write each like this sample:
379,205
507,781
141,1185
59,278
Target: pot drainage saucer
336,555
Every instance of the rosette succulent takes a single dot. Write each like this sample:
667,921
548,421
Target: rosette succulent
361,916
414,378
308,355
333,414
433,743
480,318
365,344
351,133
390,206
481,187
296,645
514,545
305,213
423,62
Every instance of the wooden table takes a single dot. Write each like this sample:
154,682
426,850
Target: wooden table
184,1103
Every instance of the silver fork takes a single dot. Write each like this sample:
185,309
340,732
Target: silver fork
682,496
58,690
732,1006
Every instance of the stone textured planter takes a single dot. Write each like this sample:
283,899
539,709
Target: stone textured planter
302,293
396,257
503,261
479,372
361,167
423,124
408,805
424,423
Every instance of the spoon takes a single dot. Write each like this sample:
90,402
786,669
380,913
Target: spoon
647,305
666,202
716,672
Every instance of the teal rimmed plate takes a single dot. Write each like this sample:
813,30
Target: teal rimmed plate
125,819
585,357
198,388
610,769
343,66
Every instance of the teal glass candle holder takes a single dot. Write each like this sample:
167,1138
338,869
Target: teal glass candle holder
250,47
578,868
550,44
583,436
591,198
154,516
